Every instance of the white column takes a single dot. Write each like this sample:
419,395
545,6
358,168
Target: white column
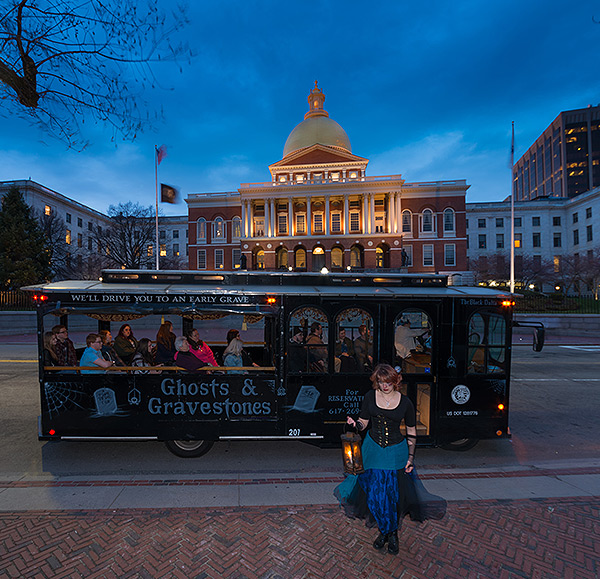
365,212
346,215
308,216
290,216
266,206
250,219
326,215
273,219
390,213
244,219
398,213
372,212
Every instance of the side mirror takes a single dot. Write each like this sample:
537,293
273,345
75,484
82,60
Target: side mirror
539,336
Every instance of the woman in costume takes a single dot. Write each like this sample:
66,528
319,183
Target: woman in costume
388,489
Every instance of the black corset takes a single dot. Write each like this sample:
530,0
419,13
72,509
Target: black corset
385,431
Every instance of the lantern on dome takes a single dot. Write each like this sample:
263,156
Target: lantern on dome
351,453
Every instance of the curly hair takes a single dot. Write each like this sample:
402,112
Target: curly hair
385,373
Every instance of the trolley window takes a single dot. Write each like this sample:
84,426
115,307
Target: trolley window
487,347
354,343
412,341
309,336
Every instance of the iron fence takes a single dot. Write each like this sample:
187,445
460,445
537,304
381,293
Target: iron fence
556,304
15,301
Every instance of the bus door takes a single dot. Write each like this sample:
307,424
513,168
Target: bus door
474,405
410,342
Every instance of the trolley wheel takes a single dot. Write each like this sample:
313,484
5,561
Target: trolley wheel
461,444
189,448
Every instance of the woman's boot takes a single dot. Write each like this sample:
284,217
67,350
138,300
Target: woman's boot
380,541
393,543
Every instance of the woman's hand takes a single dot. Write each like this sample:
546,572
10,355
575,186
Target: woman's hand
409,466
351,421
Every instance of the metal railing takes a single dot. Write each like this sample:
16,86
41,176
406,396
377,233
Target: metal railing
15,301
556,304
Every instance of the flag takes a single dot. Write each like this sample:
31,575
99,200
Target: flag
168,194
161,153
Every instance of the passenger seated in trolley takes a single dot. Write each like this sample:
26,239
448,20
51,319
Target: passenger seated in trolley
184,358
344,353
317,350
91,355
408,340
363,349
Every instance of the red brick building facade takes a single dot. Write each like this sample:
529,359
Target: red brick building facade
321,210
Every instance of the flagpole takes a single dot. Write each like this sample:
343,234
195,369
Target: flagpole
512,212
156,216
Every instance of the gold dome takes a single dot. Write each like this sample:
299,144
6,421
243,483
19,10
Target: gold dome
316,127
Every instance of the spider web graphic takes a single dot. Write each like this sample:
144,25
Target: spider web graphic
62,396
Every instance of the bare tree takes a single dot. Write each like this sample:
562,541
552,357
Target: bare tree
61,61
531,269
125,242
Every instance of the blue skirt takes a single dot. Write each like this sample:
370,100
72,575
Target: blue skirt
384,494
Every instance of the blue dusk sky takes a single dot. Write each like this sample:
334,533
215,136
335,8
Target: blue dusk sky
427,90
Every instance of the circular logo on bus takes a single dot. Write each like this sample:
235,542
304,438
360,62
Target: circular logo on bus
460,394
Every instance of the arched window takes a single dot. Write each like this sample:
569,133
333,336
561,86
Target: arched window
412,341
236,226
219,228
353,341
487,344
449,221
427,223
318,258
300,258
382,256
337,258
308,350
201,230
281,258
406,221
258,258
356,256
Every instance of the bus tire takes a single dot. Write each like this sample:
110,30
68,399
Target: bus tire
461,444
189,448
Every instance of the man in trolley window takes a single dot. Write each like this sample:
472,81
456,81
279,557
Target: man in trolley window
91,355
405,336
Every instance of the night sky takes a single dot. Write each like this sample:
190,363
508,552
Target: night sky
427,90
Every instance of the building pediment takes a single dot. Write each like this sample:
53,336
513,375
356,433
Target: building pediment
319,155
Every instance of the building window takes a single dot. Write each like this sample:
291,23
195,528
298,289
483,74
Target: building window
499,221
518,222
68,237
556,263
450,255
236,227
149,250
282,223
79,222
79,240
336,222
90,244
556,221
318,223
499,240
354,221
481,223
428,255
162,234
281,258
236,258
356,256
518,240
337,258
589,233
176,250
259,226
201,230
202,259
219,258
557,240
449,221
47,210
575,217
379,222
482,241
576,237
588,213
406,221
537,240
535,221
219,228
99,229
68,219
176,234
427,223
300,258
163,250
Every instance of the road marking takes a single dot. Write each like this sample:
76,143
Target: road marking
583,348
19,361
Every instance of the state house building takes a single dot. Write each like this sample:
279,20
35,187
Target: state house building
321,210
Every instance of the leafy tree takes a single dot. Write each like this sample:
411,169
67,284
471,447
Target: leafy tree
124,243
62,60
24,253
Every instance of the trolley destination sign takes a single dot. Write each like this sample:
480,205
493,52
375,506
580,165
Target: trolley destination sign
161,299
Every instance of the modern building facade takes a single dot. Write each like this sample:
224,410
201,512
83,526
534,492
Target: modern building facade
565,159
321,210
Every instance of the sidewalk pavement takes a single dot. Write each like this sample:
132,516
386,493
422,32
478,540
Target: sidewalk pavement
538,521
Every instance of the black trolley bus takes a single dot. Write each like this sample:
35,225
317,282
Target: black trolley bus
314,339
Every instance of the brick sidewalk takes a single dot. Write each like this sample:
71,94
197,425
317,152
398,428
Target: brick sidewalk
500,539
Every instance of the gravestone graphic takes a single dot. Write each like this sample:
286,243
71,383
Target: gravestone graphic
106,402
